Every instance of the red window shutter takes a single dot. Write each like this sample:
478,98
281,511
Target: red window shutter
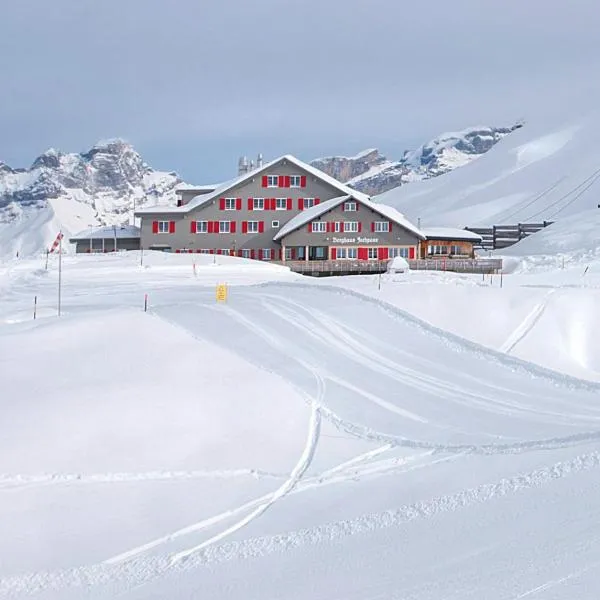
411,253
363,254
382,253
359,227
250,203
193,227
244,226
211,251
210,227
330,226
390,226
373,227
252,254
309,228
293,253
273,203
281,181
289,204
238,204
154,226
221,203
239,252
357,206
232,227
343,207
267,204
300,206
317,201
178,251
303,181
333,253
287,181
261,227
219,251
264,181
171,226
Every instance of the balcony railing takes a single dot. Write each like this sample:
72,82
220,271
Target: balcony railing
351,267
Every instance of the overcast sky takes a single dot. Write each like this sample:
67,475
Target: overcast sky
195,83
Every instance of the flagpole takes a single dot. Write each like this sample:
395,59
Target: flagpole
59,270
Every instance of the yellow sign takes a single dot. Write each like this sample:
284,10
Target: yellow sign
222,292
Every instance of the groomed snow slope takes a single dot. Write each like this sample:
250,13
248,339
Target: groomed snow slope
547,170
302,441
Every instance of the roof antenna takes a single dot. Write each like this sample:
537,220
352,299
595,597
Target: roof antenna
259,161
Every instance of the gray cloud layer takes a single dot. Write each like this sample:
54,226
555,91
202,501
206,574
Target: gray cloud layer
194,83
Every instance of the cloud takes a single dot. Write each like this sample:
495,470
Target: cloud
315,76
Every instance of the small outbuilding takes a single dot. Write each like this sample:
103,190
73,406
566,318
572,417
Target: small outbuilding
107,239
448,242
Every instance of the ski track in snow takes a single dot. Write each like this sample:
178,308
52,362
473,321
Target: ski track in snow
130,569
8,481
379,363
258,506
141,571
263,503
529,322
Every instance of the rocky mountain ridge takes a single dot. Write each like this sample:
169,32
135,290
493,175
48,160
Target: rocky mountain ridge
111,178
372,173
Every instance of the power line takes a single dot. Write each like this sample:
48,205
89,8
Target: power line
535,199
583,191
575,189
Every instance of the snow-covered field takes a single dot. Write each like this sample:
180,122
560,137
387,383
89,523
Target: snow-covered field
421,437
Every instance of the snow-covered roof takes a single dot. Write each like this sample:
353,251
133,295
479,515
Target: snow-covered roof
222,189
396,216
314,212
306,216
188,187
108,232
450,233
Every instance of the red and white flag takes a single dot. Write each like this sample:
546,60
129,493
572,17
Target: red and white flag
56,241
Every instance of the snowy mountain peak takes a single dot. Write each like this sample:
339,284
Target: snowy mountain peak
372,173
100,186
454,149
50,159
4,168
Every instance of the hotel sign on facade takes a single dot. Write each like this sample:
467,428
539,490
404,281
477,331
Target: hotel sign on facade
355,240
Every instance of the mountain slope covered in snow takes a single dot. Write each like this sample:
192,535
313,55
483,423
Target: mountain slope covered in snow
545,171
372,173
72,191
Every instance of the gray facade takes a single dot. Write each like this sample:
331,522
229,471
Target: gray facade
365,237
185,195
184,239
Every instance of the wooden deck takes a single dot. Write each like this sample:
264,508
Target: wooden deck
328,268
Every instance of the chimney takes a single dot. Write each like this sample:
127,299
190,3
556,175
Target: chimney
242,165
259,161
